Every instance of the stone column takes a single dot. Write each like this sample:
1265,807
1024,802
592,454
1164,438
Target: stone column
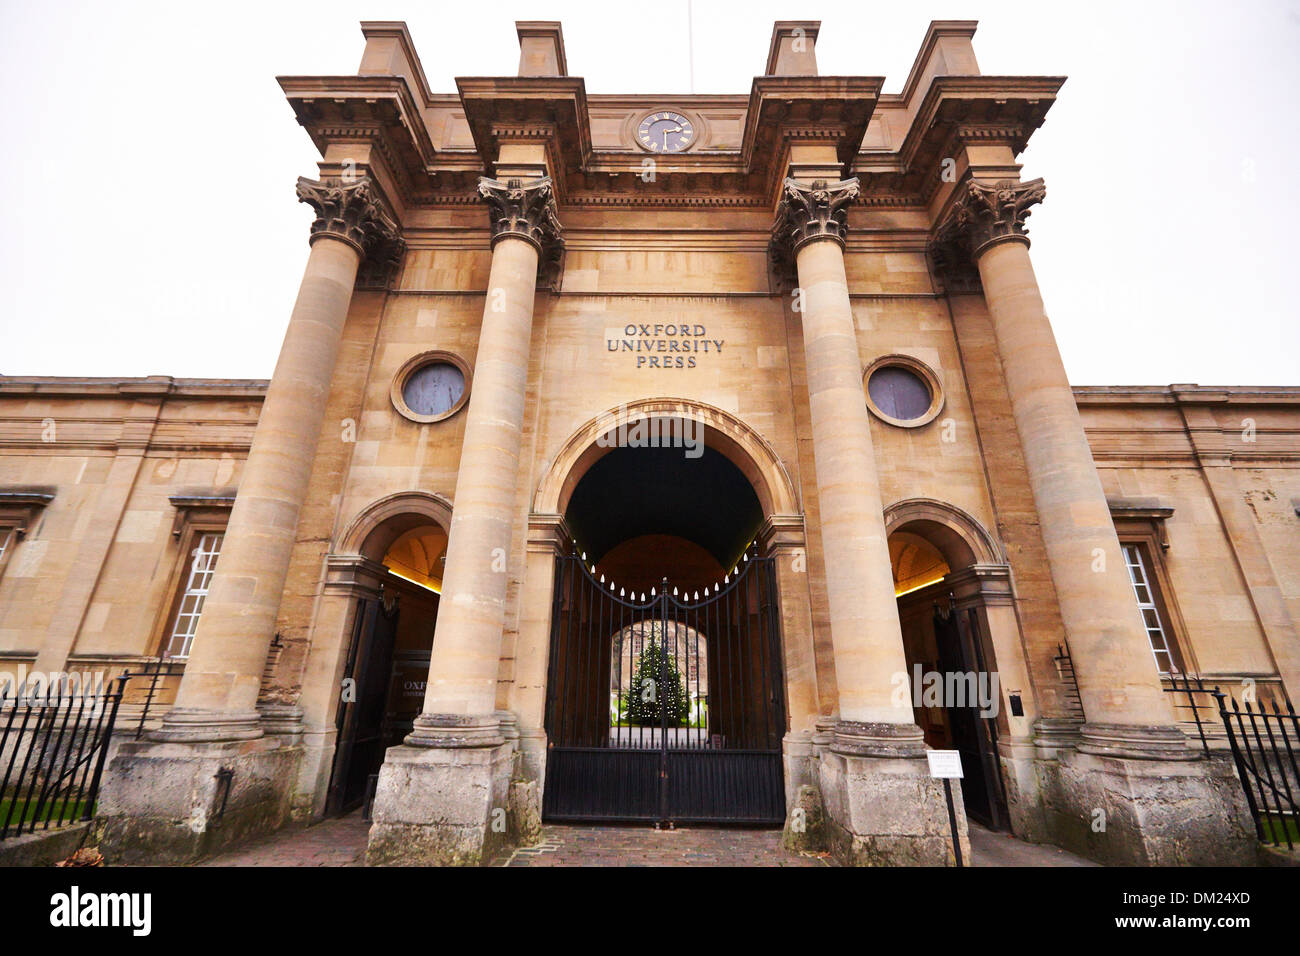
1118,681
218,695
214,723
438,794
1132,749
881,807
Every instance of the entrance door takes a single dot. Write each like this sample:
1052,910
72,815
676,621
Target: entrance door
975,737
361,724
664,707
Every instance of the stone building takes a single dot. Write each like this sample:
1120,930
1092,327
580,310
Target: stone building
770,373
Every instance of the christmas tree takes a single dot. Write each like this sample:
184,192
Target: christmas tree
657,695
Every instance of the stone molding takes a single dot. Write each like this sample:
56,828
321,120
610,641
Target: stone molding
21,508
352,212
456,731
856,738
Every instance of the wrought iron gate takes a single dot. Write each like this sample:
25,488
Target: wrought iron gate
665,707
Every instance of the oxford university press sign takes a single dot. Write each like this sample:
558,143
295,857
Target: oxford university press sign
663,345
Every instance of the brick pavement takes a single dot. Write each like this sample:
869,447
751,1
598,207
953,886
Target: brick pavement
342,842
644,846
337,842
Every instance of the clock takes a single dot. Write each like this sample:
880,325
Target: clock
665,132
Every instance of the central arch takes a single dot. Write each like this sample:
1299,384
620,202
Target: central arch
723,432
663,501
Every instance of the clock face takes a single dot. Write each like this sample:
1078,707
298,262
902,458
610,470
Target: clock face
665,132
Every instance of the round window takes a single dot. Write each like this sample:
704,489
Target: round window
903,391
431,387
434,389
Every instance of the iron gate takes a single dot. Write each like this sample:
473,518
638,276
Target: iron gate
662,707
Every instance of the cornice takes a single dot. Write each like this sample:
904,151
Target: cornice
109,387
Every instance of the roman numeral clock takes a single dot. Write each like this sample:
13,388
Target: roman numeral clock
665,132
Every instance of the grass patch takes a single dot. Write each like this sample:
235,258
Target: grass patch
11,810
1278,829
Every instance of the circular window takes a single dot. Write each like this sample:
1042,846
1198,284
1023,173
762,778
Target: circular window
431,387
903,391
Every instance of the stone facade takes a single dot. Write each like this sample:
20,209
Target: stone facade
522,231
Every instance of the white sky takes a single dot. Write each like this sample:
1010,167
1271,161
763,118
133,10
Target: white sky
148,223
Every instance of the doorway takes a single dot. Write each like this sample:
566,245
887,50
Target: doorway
387,663
665,691
952,677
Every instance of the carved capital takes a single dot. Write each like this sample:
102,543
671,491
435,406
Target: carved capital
523,210
985,214
809,213
351,212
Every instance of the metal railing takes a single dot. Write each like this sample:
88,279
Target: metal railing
1264,748
53,746
143,688
1191,695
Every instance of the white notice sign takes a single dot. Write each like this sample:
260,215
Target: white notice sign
944,763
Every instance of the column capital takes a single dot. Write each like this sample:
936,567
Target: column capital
986,213
808,212
811,211
348,211
522,209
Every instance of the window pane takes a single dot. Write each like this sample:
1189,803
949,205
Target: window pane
1156,636
434,389
899,392
202,562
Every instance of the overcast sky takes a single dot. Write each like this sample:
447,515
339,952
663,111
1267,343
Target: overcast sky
150,227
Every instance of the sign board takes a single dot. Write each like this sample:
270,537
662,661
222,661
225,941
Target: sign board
944,764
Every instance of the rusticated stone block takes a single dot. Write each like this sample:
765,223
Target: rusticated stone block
805,825
164,803
1134,812
440,806
887,811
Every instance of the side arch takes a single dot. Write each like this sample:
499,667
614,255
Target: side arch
723,432
962,540
382,522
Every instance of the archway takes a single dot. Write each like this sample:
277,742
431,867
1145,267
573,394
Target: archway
665,697
401,543
940,558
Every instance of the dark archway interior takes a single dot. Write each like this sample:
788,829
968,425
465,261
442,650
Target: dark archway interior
635,492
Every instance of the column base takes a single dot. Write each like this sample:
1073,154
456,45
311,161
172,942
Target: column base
194,726
799,760
444,803
166,803
882,808
1019,761
1140,811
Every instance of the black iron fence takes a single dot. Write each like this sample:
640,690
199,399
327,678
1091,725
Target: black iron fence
146,690
53,745
1192,699
1265,741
